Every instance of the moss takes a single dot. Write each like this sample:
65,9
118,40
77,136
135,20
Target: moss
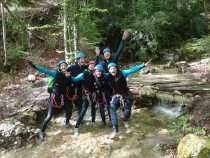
195,49
182,125
194,146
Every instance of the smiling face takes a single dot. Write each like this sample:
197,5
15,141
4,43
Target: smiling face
113,71
63,67
91,67
82,61
107,55
98,73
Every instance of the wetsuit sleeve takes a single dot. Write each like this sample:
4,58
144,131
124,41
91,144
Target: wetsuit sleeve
46,71
97,59
79,77
119,51
132,70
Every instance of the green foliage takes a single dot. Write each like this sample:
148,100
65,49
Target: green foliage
182,125
168,22
89,17
47,26
155,24
196,48
51,43
143,45
15,51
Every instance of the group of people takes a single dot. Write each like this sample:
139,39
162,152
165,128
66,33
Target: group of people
100,83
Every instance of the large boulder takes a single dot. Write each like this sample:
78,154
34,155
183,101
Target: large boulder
192,146
147,96
14,133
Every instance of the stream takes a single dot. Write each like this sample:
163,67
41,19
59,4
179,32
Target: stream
144,140
146,137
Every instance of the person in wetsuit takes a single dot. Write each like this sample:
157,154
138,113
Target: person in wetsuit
120,93
58,97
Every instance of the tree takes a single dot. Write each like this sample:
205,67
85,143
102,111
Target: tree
206,14
4,34
70,20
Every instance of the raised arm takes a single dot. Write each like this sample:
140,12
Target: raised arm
121,46
43,69
98,59
97,50
132,70
119,51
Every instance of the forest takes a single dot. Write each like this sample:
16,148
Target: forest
166,43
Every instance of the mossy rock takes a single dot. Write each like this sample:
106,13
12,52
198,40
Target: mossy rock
195,49
192,146
28,117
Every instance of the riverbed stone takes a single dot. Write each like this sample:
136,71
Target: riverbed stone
192,146
13,133
31,77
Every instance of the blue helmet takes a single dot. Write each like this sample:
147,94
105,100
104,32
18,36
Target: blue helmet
107,50
61,62
112,65
81,54
99,67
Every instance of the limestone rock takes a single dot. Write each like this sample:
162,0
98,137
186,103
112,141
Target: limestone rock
14,133
31,77
192,146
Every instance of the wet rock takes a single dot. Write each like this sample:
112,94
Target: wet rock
175,92
163,131
14,133
170,64
200,112
31,77
59,120
16,98
194,146
154,70
147,96
29,116
39,83
148,91
181,66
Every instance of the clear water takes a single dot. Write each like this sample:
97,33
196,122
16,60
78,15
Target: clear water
147,132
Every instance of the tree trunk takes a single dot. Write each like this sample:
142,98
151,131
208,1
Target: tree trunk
4,34
70,29
65,31
76,27
206,14
75,36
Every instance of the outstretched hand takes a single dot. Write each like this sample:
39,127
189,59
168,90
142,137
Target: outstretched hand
148,62
97,50
125,35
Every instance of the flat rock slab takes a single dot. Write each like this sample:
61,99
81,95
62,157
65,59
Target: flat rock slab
171,82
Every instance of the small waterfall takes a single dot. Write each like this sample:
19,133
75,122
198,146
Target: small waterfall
171,105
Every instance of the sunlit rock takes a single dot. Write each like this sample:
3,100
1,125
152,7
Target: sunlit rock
192,146
31,77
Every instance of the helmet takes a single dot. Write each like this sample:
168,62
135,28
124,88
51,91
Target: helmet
81,54
99,67
92,62
112,65
61,62
107,50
